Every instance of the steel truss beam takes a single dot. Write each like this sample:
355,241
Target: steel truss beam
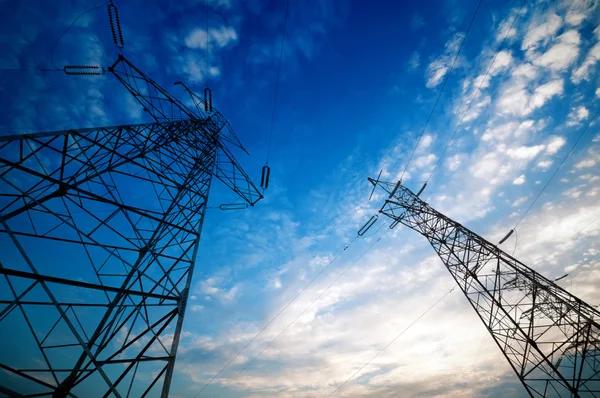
99,230
550,338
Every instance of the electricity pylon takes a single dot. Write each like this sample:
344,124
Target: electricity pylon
550,338
99,234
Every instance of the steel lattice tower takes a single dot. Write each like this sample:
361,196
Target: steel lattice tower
99,232
550,338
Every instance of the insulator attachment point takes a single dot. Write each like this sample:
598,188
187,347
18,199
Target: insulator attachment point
208,100
506,237
233,206
266,175
368,225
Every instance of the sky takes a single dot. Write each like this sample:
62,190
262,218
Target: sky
358,82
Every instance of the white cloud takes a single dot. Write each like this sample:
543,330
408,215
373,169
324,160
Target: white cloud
526,70
586,163
196,39
520,201
515,99
220,37
504,28
437,69
583,72
540,32
579,11
212,287
554,144
453,162
503,60
520,180
561,55
414,61
577,115
544,165
525,152
545,92
425,160
425,142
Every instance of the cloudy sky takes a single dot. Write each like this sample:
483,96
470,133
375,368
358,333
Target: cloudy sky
358,82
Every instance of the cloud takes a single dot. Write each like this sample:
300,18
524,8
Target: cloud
554,144
520,201
540,30
577,115
584,71
414,61
504,29
544,164
439,67
525,152
516,98
579,11
503,60
221,37
561,55
519,180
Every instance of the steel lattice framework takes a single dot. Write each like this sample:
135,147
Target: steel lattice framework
550,337
99,230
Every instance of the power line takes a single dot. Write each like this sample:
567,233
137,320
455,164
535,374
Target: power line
287,5
278,314
207,48
476,92
442,88
29,70
70,26
392,342
559,166
301,313
585,268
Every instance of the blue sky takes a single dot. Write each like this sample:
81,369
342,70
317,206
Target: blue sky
358,82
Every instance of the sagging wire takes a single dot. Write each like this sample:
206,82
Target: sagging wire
208,105
591,120
277,316
475,95
447,77
70,26
392,342
303,311
266,170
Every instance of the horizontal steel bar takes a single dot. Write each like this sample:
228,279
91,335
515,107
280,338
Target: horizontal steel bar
53,279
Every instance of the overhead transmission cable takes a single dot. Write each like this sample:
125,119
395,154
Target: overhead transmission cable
207,49
266,170
475,95
70,26
392,341
287,5
84,70
582,269
446,78
278,314
303,311
591,120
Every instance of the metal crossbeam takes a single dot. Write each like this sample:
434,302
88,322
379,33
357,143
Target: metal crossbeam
550,338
